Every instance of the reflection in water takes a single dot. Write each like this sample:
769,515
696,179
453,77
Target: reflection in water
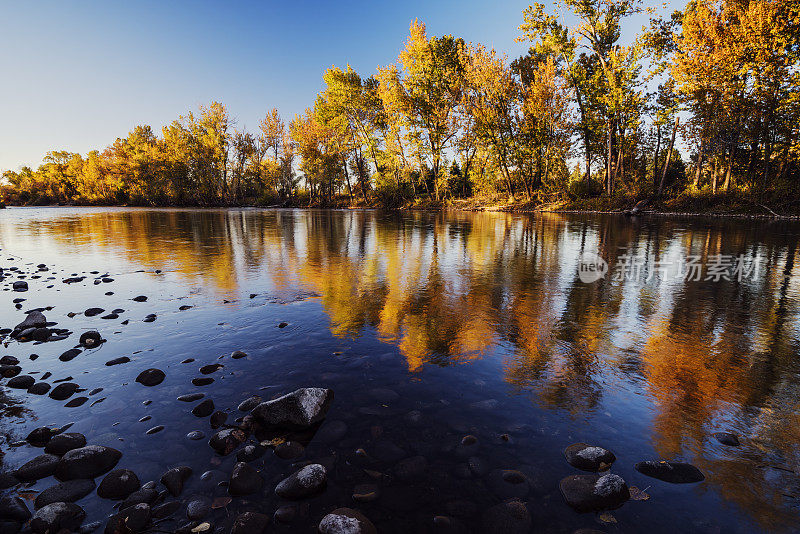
448,288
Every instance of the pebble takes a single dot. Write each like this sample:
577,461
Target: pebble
308,481
151,377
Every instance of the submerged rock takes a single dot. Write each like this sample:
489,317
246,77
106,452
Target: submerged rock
62,443
299,409
587,457
506,518
250,523
69,491
41,466
118,484
245,480
726,438
174,479
14,509
673,472
591,493
226,441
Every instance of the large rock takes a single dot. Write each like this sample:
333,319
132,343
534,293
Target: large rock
245,480
174,479
69,491
133,519
21,382
35,319
151,377
506,518
14,509
118,484
588,457
673,472
87,462
346,521
299,409
250,523
57,516
307,481
42,466
591,493
63,443
63,391
39,437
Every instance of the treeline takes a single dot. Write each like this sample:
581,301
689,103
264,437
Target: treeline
580,115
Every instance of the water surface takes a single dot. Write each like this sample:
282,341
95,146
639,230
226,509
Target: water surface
479,322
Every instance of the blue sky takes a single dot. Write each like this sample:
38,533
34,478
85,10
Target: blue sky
77,75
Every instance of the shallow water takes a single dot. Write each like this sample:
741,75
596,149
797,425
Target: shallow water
477,321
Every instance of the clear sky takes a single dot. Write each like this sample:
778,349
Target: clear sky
77,75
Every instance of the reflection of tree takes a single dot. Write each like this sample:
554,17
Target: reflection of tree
449,288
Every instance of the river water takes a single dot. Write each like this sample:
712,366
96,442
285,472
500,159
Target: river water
430,327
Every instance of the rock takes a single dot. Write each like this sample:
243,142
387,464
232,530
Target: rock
250,523
592,493
508,483
411,469
20,285
384,395
237,354
726,438
204,409
191,397
39,388
202,381
673,472
77,401
7,480
9,360
132,519
91,312
195,435
307,481
251,452
118,361
174,479
218,418
39,437
245,480
249,403
211,368
90,339
118,485
63,391
143,495
87,462
41,466
587,457
331,431
506,518
14,509
70,354
57,516
60,444
289,450
199,506
286,514
346,521
469,446
151,377
165,510
140,298
69,491
9,371
226,441
34,319
149,318
299,409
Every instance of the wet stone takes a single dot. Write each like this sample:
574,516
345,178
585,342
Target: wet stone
289,450
195,435
591,493
41,466
118,484
63,391
69,355
165,510
331,432
249,403
218,418
506,518
57,516
62,443
726,438
204,409
346,521
366,492
77,401
299,409
174,479
202,381
69,491
191,397
143,495
140,298
673,472
250,523
87,462
14,509
588,457
155,430
38,437
226,441
245,480
91,312
118,361
198,507
133,519
308,481
508,483
151,377
237,354
39,388
211,368
251,452
90,339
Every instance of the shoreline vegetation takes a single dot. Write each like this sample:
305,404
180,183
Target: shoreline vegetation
581,122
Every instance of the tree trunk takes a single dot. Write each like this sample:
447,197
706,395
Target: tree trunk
655,159
669,156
